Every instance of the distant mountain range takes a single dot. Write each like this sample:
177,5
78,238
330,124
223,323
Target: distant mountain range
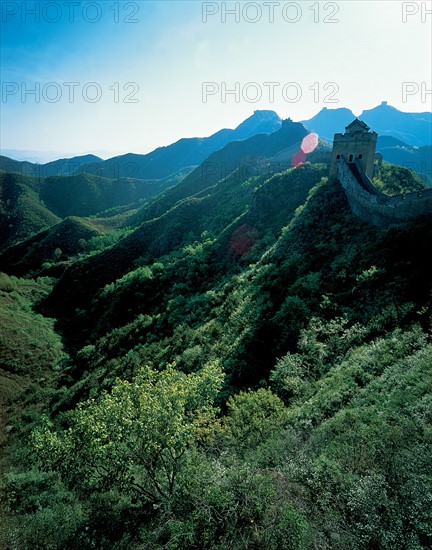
63,167
164,161
411,128
157,165
33,197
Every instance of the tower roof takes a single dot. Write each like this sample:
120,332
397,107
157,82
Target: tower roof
357,126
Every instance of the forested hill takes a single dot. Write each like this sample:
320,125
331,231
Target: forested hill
246,365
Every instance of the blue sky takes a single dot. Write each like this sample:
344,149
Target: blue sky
357,53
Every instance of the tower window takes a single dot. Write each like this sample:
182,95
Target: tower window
337,157
350,158
360,156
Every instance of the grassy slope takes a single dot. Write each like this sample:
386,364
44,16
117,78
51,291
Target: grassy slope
28,343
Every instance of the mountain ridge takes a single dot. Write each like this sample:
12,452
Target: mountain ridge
185,152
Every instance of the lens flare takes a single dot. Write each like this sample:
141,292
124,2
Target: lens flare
298,159
309,143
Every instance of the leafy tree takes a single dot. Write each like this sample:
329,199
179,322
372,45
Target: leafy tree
254,416
136,436
288,376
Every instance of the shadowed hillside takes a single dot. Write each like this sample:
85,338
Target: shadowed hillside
29,204
277,149
85,194
57,244
22,213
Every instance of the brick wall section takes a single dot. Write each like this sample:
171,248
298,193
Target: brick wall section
378,209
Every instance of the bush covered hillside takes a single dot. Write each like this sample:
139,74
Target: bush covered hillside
239,363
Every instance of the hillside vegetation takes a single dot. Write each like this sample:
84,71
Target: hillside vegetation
243,363
85,194
395,180
29,205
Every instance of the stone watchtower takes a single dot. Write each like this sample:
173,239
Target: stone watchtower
356,145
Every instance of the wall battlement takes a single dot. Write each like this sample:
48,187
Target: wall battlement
370,205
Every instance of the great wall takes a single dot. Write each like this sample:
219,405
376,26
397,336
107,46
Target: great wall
354,163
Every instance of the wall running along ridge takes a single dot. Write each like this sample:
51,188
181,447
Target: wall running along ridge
370,205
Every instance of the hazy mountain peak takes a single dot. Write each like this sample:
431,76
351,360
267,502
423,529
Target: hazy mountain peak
383,107
328,122
412,128
262,121
326,112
